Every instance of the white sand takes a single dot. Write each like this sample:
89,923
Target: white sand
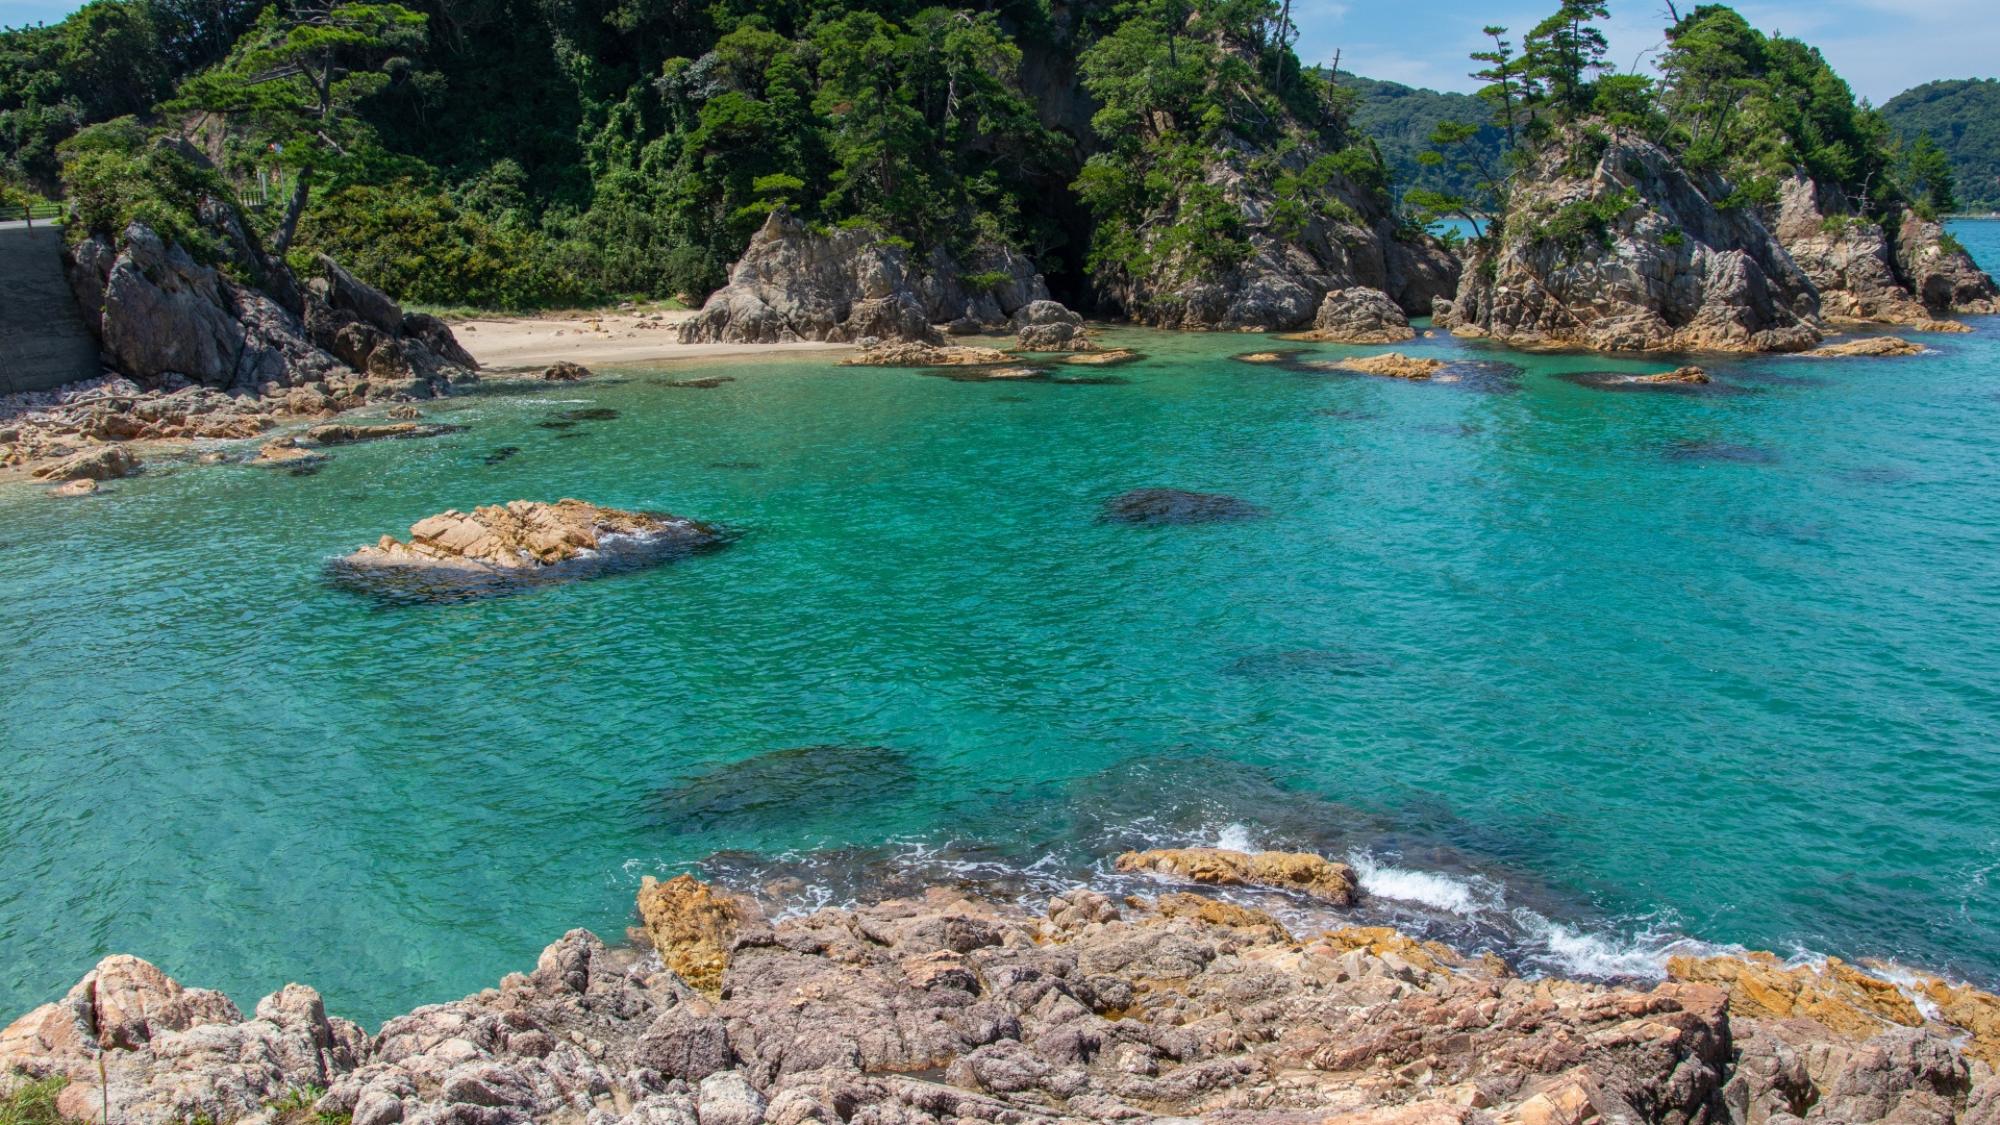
606,338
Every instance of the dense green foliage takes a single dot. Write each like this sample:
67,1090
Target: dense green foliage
1962,118
1401,120
1729,99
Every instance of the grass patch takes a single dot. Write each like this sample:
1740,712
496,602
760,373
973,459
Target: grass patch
296,1108
33,1103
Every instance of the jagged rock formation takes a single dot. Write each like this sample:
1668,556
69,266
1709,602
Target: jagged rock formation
1047,326
1633,253
159,314
1351,240
853,285
503,546
1939,272
949,1008
1359,315
1848,258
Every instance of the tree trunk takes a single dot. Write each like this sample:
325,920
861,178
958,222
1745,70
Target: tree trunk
289,225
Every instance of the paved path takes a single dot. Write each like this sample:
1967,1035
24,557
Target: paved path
43,340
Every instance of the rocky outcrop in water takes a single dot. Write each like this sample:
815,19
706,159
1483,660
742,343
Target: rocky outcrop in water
1632,252
1939,271
950,1008
1848,258
1359,315
854,284
918,354
1348,239
1048,326
505,546
1877,346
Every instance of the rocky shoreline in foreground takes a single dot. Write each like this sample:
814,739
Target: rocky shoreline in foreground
951,1007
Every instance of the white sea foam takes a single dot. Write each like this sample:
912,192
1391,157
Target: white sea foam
1428,888
1236,838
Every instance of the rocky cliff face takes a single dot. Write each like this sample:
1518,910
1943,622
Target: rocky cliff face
1848,258
1350,241
1634,253
853,285
160,315
950,1008
1939,272
1910,273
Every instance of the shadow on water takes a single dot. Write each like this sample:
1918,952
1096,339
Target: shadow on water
784,785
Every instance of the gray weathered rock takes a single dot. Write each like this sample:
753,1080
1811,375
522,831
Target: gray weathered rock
1360,315
1671,271
1049,326
1941,274
949,1008
854,285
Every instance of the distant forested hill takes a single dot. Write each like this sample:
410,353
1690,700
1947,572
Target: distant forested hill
1963,117
1400,119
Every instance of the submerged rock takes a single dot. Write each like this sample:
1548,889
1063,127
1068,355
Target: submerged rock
781,785
82,486
1868,346
1303,872
502,547
286,451
1177,506
1359,315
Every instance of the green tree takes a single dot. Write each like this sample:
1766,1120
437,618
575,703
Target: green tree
1565,50
298,78
1927,175
1503,77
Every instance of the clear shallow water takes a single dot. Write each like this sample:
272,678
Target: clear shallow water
1647,664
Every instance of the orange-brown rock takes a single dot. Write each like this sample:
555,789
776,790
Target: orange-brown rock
1692,375
1307,874
692,927
1395,365
1109,357
914,353
1836,995
1868,346
516,535
104,462
1216,912
1430,956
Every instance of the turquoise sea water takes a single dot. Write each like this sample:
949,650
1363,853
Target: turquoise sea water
1572,671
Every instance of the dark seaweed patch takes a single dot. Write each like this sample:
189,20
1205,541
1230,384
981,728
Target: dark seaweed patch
706,383
1306,662
1162,506
1091,381
501,454
555,424
1625,382
785,785
735,464
588,414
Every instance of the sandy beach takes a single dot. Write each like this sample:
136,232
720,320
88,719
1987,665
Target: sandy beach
598,338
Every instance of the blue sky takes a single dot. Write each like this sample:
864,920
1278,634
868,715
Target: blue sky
1882,47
